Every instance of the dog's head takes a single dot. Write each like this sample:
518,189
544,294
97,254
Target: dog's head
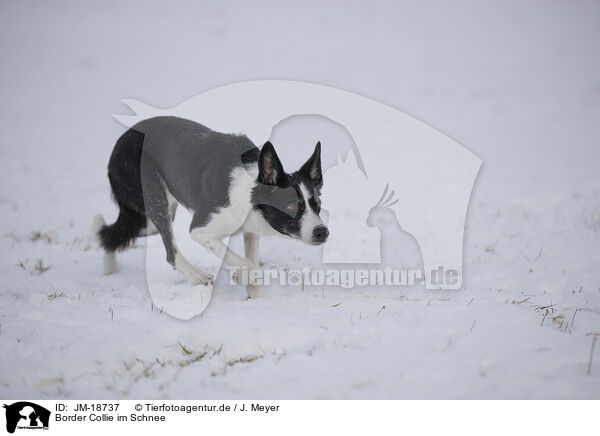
290,203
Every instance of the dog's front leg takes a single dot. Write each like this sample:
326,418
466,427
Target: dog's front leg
217,247
251,253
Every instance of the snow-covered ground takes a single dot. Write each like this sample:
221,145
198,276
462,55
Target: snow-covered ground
516,83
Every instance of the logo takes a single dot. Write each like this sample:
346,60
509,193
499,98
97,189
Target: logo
26,415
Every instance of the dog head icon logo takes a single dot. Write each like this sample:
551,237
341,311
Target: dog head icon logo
26,415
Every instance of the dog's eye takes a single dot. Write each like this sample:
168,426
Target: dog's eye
292,206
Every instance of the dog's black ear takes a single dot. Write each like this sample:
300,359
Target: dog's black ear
312,168
270,170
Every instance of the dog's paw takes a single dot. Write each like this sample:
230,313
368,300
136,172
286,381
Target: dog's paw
202,278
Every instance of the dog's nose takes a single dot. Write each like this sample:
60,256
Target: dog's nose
320,234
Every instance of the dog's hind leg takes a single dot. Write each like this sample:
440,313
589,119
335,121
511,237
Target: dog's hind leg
150,229
110,257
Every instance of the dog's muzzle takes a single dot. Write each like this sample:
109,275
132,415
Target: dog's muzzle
320,234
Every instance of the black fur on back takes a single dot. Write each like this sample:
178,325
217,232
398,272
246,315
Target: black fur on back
191,161
126,183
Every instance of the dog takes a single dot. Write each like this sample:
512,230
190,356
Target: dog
228,185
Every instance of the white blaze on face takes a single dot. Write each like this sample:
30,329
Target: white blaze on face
309,219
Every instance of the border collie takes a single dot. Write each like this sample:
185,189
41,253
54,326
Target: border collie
222,179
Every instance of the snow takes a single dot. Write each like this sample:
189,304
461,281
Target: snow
517,84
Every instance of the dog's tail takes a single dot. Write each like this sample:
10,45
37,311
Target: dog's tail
119,235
